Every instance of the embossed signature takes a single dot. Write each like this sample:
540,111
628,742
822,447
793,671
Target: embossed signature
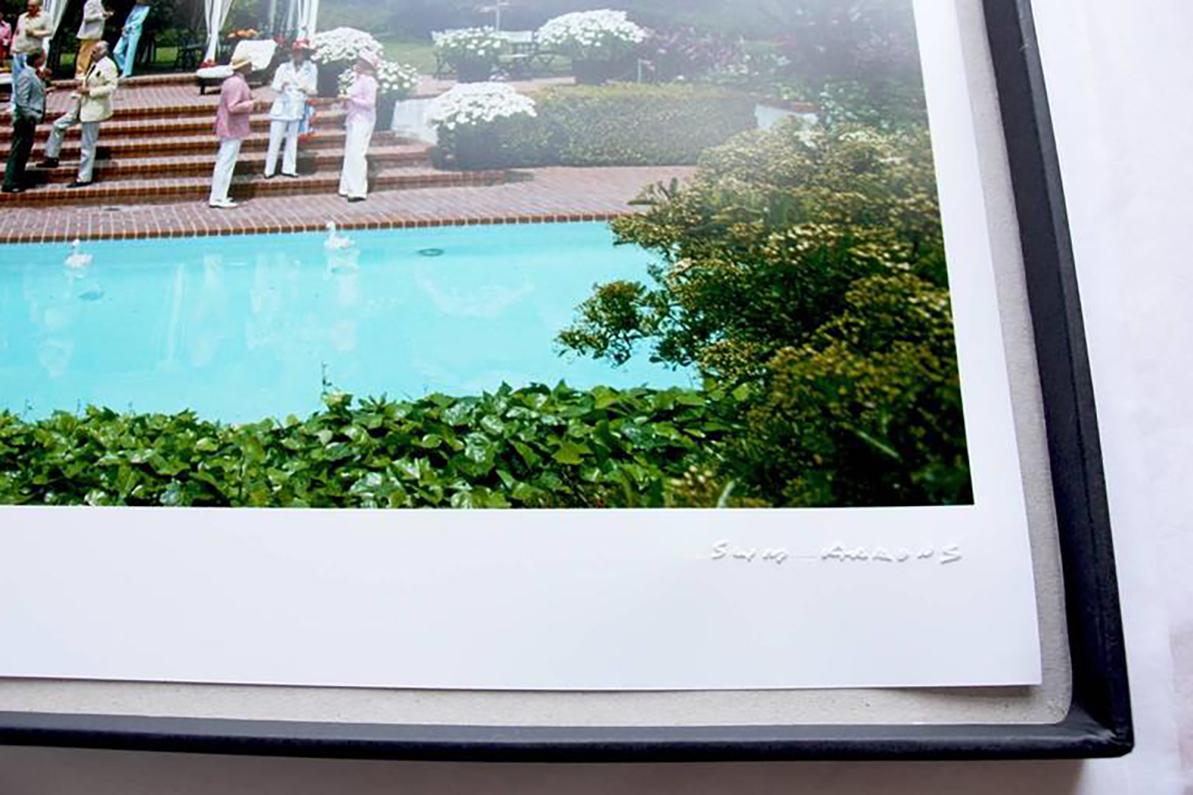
839,553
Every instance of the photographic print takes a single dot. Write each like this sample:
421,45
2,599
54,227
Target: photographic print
666,255
695,300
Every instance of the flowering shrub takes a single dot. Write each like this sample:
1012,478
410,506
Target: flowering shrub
603,35
473,118
478,104
343,44
889,104
393,79
685,53
471,47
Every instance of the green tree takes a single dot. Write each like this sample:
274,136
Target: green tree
804,269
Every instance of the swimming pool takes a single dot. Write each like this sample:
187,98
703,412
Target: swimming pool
240,328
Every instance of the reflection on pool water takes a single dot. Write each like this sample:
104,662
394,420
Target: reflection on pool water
240,328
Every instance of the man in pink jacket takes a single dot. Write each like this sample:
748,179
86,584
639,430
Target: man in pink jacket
232,127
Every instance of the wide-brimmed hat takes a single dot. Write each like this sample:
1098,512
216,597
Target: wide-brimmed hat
369,57
301,45
240,62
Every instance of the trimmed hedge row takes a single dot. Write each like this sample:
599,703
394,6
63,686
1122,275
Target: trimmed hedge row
532,447
624,124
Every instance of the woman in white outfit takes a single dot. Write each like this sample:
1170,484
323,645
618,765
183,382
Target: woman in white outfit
293,81
361,103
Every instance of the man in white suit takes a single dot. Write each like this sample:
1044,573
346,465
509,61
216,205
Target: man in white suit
294,81
93,105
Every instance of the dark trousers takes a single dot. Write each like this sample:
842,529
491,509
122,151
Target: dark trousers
18,153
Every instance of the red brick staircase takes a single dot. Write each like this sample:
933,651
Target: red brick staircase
160,147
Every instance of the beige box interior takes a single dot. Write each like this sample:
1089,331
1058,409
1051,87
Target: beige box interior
1047,703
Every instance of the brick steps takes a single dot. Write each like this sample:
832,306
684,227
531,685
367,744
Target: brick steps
136,81
118,127
130,109
173,146
253,162
142,191
160,147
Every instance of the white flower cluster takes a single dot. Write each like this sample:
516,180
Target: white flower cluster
603,35
469,45
393,79
397,78
475,104
343,44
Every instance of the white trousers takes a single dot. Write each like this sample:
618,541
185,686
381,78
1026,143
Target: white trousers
354,180
225,164
279,130
90,139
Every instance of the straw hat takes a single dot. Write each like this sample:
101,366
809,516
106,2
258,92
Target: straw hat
241,62
369,57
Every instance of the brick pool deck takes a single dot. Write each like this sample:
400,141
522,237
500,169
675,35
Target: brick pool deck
540,195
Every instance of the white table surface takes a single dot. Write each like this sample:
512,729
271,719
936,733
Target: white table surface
1121,82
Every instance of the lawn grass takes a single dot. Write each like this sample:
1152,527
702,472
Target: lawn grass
166,57
418,53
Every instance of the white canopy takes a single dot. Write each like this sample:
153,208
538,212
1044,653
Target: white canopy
56,10
301,17
308,15
215,13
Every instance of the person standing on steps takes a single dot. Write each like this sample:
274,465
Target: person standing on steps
33,28
232,125
91,33
294,81
29,96
93,105
125,53
6,42
361,103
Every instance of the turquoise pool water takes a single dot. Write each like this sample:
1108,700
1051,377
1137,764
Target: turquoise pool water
240,328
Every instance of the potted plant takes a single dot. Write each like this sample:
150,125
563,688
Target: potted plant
335,51
464,118
598,42
472,53
395,82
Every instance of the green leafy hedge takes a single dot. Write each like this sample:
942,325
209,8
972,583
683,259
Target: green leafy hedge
807,267
618,124
532,447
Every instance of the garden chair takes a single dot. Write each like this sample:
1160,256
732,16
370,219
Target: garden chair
146,49
442,68
541,58
518,64
190,51
521,42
